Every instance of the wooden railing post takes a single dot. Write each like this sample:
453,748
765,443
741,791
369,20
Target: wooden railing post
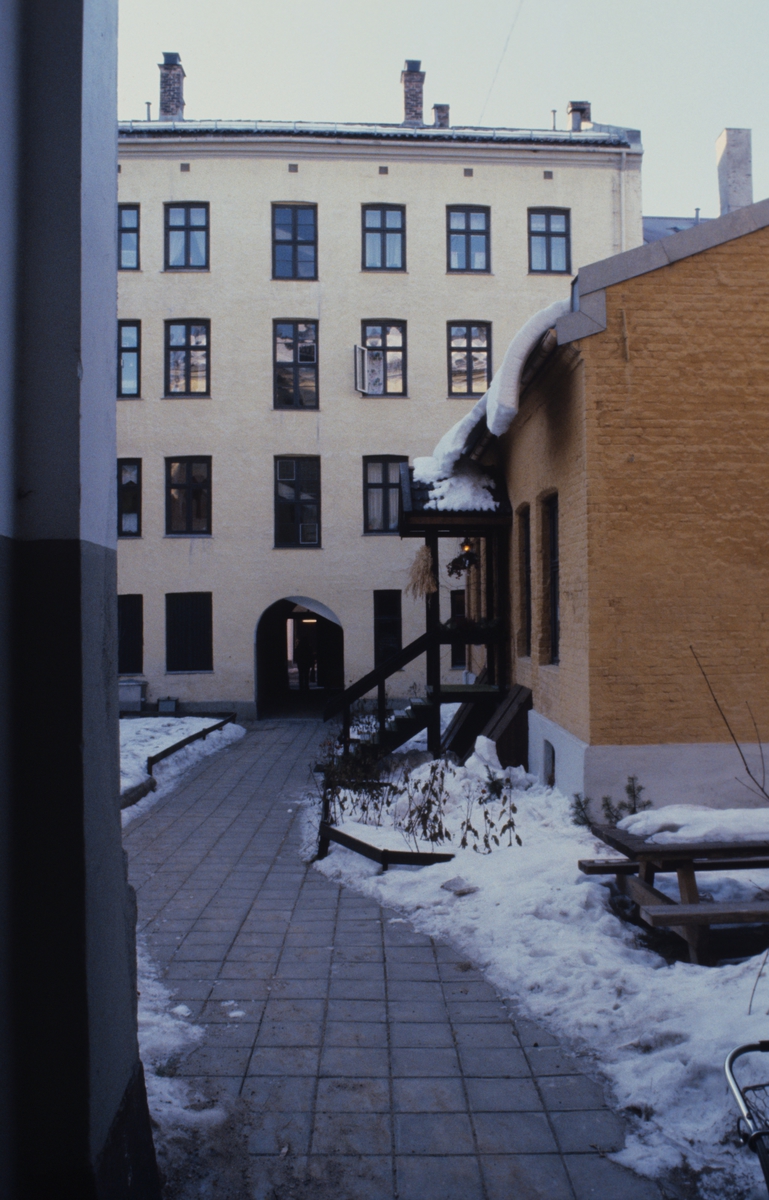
346,729
433,622
381,701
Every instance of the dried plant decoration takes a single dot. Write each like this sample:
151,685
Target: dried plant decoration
422,581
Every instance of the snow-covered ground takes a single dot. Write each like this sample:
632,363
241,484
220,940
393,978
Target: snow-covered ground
141,737
545,936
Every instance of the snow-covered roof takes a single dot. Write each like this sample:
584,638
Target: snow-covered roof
606,135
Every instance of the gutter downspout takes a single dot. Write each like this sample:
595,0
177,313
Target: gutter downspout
622,202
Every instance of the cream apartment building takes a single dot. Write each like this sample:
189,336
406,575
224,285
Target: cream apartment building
302,306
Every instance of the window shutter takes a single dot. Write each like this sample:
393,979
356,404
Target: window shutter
130,635
189,631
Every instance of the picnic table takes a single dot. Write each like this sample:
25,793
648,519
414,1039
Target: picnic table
692,917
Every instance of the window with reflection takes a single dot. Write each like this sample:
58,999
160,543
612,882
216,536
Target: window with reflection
129,497
297,501
469,357
384,237
294,241
381,493
188,495
128,237
128,358
295,364
385,345
187,357
549,241
186,237
467,238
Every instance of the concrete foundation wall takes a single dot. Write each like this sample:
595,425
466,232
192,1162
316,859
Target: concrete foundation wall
569,753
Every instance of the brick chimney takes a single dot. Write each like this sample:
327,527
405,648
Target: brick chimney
735,169
441,116
413,80
577,112
171,88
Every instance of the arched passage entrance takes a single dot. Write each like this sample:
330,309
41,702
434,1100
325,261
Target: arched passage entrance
293,630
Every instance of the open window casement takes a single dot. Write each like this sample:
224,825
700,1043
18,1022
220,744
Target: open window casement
369,371
361,369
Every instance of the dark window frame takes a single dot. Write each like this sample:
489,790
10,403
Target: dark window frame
280,503
121,325
205,662
188,348
187,228
294,321
468,350
383,208
403,349
387,621
468,208
524,585
458,648
384,487
294,241
549,236
121,208
128,625
121,492
191,490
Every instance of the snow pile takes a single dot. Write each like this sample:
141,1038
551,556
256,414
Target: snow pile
465,490
164,1038
142,737
692,823
545,935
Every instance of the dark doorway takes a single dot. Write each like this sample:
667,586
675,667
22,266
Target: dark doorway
299,659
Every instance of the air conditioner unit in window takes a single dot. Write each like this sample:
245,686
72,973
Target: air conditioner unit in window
308,534
361,369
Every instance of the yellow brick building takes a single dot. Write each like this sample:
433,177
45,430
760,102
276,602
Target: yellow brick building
253,265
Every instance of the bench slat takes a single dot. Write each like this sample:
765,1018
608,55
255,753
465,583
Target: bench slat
607,866
706,913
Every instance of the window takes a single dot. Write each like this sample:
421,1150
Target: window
387,625
548,763
129,339
130,635
294,241
380,362
297,501
458,649
524,594
187,357
189,631
468,238
188,495
469,348
550,649
128,237
129,497
381,493
296,364
384,237
549,248
186,237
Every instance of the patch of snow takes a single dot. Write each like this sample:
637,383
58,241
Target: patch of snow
692,823
545,935
502,396
419,740
465,491
142,737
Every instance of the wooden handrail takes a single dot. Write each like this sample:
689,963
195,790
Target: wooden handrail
368,682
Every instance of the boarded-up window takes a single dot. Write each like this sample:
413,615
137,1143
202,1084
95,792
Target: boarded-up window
387,625
189,631
130,635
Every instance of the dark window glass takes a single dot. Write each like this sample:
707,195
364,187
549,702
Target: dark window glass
188,357
469,349
552,581
295,364
129,341
549,241
381,493
297,501
128,237
130,635
384,237
188,495
384,343
524,561
294,241
189,631
467,238
458,649
129,497
186,237
387,625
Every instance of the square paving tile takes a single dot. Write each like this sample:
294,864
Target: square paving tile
503,1095
270,1093
596,1129
349,1061
429,1095
284,1060
356,1033
527,1177
597,1178
439,1178
290,1033
431,1062
367,1178
489,1063
352,1133
433,1133
271,1132
419,1034
514,1133
353,1095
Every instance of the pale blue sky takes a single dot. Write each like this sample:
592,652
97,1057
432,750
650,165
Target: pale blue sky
680,70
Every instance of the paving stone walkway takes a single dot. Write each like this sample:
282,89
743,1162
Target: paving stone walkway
370,1062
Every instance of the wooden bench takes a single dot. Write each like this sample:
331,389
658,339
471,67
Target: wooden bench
707,912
